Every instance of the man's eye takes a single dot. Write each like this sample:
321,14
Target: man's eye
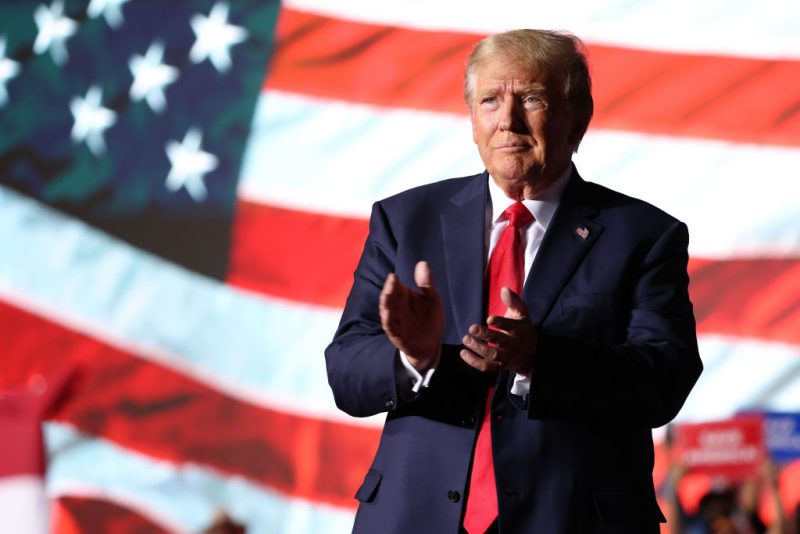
532,101
489,100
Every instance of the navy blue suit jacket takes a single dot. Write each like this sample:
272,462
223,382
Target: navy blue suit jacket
617,356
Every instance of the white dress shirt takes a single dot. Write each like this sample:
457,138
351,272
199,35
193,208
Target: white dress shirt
543,208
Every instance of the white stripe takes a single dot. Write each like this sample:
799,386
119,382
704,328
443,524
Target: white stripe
331,156
741,375
23,505
738,199
262,350
769,28
183,498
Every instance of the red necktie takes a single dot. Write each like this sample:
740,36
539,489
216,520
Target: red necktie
506,268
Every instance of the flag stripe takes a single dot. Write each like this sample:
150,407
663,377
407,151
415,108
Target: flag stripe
732,98
318,253
183,496
771,384
753,297
738,199
710,27
76,515
117,394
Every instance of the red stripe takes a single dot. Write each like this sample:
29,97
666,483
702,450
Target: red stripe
310,257
21,449
76,515
755,297
162,413
718,97
300,256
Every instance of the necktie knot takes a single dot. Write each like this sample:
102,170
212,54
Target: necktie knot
518,215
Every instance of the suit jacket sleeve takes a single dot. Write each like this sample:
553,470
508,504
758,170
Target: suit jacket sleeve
642,379
361,360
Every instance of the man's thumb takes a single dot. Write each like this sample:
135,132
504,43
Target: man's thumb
423,276
516,307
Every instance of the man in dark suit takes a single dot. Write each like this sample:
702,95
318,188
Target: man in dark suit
595,349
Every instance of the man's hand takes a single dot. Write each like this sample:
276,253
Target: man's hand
413,321
508,343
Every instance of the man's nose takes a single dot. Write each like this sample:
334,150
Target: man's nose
509,115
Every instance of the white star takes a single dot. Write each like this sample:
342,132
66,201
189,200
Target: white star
110,9
215,37
151,76
54,30
8,69
91,120
189,164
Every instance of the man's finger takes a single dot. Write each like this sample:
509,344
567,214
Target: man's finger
480,347
389,284
422,274
484,333
508,325
516,306
424,279
387,291
477,362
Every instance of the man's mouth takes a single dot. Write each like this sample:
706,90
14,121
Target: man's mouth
513,145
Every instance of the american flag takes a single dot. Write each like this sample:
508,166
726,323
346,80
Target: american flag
184,189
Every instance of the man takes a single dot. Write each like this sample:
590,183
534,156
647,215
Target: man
577,365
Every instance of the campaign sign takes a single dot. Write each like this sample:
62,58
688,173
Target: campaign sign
732,448
782,436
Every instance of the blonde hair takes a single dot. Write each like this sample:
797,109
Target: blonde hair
554,53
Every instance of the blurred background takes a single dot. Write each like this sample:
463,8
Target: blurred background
184,193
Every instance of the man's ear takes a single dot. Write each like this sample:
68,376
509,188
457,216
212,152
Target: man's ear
577,127
472,123
576,135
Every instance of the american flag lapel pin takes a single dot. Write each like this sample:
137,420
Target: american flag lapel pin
582,232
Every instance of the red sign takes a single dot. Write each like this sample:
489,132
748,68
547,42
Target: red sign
733,448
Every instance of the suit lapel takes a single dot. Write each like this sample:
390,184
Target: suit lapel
571,234
463,230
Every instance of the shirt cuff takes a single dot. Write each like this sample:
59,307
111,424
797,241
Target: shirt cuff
521,386
417,379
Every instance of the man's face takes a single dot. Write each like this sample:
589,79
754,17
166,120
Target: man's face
521,126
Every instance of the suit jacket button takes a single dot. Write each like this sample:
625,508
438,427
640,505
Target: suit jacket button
388,402
453,496
468,421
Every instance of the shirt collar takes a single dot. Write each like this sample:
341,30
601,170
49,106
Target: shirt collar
543,208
